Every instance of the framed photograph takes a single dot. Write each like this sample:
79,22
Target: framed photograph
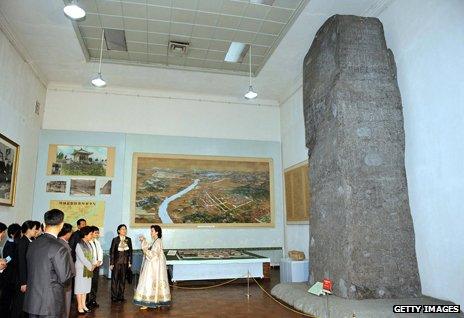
9,158
82,187
56,186
80,160
105,189
191,191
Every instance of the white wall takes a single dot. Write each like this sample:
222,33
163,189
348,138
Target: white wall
19,90
426,38
294,151
160,114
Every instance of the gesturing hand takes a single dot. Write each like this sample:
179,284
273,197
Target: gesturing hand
23,288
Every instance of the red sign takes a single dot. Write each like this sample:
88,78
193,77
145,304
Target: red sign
327,284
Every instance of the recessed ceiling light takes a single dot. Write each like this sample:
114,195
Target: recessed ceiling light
73,11
236,52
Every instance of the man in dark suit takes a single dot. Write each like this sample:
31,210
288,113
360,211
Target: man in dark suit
63,237
76,237
10,273
28,231
49,268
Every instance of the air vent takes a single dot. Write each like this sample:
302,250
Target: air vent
115,40
178,48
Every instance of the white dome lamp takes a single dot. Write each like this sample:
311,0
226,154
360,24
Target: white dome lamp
251,94
98,80
73,11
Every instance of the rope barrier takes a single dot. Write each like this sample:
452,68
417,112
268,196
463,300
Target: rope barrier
261,287
283,305
207,287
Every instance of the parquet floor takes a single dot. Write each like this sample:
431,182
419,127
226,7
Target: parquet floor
221,302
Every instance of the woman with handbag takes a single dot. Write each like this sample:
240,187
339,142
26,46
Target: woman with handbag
84,269
120,262
153,288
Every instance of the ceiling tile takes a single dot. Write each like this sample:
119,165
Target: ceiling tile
224,34
185,4
204,18
138,57
92,43
181,29
137,47
233,7
111,22
291,4
279,15
165,3
88,5
244,37
135,24
185,16
219,45
256,11
176,60
210,5
118,55
109,7
271,27
158,26
159,59
134,10
259,50
216,55
228,22
90,32
196,53
251,25
158,49
213,64
136,36
193,62
159,13
265,39
203,31
199,43
156,38
91,20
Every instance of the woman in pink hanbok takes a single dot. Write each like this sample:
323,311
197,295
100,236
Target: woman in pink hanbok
153,287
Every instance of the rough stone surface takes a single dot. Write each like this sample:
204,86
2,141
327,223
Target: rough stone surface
362,235
296,295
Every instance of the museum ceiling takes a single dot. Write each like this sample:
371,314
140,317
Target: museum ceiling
207,28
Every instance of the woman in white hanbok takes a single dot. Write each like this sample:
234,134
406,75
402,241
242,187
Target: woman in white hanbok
153,287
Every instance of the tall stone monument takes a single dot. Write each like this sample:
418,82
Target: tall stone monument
362,235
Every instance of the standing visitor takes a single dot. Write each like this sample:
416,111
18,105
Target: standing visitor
64,236
120,262
97,254
84,269
49,268
153,288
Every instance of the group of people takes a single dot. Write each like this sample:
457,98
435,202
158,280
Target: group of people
41,267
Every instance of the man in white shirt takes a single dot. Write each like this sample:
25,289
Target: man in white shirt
97,253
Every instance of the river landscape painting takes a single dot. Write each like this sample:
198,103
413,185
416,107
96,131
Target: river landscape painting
197,190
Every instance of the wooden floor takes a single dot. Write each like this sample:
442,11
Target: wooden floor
225,301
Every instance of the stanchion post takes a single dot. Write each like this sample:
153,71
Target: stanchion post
248,285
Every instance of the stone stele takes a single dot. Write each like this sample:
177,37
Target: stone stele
362,236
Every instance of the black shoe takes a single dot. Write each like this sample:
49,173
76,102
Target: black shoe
87,310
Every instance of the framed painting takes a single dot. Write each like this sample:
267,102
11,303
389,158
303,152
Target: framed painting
79,160
195,191
297,193
9,158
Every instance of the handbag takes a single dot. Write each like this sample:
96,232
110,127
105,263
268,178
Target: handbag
129,275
